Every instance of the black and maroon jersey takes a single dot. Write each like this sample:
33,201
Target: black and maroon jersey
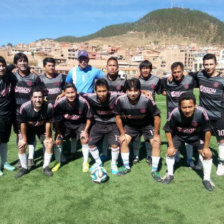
211,94
33,118
151,84
116,85
103,112
189,129
175,89
22,87
137,115
53,86
72,115
6,97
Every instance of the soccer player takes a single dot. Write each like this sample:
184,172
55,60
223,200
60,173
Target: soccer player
5,114
211,87
23,81
102,103
53,84
189,123
52,81
115,82
35,117
150,85
141,117
73,119
172,90
84,75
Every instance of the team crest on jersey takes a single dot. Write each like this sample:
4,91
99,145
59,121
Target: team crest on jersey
152,86
216,84
142,110
29,83
111,106
118,87
186,86
194,124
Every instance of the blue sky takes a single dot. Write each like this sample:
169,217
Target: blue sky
29,20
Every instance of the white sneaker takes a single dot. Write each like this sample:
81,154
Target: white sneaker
220,170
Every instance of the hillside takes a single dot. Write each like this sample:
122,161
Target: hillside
175,23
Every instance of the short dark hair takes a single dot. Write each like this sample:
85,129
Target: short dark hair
187,96
146,64
101,82
50,60
37,89
112,59
2,60
19,56
176,64
132,83
210,56
70,85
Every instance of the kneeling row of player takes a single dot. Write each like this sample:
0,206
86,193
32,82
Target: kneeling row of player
122,117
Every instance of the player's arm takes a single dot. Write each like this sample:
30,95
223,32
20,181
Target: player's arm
23,142
206,152
85,132
147,93
171,151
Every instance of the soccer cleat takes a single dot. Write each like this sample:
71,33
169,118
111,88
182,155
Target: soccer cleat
21,172
156,176
18,165
167,178
1,173
85,167
56,167
149,160
47,171
124,170
209,185
8,167
94,166
135,160
114,169
220,170
30,164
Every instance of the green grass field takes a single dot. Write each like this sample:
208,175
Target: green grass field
70,196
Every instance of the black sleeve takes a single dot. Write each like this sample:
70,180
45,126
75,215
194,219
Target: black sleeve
50,113
195,77
154,110
22,118
162,86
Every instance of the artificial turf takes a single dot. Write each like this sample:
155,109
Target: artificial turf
71,197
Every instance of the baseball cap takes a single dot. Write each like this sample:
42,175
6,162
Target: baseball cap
83,53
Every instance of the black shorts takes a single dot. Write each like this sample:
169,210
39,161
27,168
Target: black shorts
16,124
5,129
147,132
73,132
31,133
98,131
217,127
178,142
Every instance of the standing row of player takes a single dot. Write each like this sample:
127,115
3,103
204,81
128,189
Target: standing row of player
210,84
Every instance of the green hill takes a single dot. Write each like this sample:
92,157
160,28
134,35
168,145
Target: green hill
175,22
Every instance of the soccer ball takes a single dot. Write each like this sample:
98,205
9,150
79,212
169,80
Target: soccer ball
99,175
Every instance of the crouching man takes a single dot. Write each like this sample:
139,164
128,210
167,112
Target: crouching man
189,124
35,117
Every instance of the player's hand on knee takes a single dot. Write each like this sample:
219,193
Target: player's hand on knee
123,139
22,144
206,153
157,139
171,151
48,142
59,139
84,136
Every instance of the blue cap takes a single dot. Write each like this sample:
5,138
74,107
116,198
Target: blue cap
83,53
